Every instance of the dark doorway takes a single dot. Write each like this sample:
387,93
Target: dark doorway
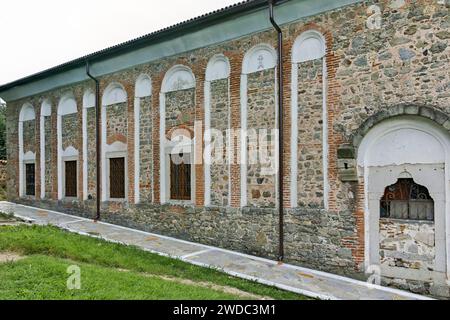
180,179
117,178
71,179
30,179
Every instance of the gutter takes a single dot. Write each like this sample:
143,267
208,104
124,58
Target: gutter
97,139
280,131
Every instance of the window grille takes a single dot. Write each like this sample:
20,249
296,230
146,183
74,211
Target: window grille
407,200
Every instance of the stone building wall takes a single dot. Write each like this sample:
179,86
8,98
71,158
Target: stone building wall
220,121
91,156
29,136
260,118
3,173
69,127
369,72
180,109
310,134
116,123
407,244
146,149
48,156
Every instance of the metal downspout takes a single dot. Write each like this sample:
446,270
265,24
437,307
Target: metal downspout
280,131
97,138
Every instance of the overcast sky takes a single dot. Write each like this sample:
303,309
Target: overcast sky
39,34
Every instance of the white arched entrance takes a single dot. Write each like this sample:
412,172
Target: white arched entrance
415,148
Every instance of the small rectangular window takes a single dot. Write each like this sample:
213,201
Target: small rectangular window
71,179
117,178
180,179
30,184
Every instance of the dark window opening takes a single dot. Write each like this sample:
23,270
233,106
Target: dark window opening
407,200
71,179
117,178
30,185
180,179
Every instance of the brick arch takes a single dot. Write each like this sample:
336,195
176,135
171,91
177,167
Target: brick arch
427,112
116,137
184,130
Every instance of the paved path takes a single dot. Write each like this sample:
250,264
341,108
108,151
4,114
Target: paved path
304,281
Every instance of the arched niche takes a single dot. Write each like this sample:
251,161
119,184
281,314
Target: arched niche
143,89
114,94
260,57
88,103
218,68
179,77
46,111
143,86
310,45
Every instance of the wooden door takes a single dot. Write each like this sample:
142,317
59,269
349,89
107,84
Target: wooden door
117,178
71,179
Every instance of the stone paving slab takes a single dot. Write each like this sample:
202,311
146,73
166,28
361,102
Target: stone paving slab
304,281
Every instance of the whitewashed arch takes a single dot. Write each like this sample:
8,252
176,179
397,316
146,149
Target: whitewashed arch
88,102
67,105
178,77
421,148
114,93
143,89
46,111
310,45
218,68
88,99
27,113
259,58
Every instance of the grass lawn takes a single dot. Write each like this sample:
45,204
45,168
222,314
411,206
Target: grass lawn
109,271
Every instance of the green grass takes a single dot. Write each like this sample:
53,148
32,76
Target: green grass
43,277
50,250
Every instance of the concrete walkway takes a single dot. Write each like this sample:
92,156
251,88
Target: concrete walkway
304,281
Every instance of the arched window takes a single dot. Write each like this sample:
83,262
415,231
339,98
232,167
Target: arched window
114,143
27,151
407,200
68,148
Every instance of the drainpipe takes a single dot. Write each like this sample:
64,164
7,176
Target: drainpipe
97,137
280,131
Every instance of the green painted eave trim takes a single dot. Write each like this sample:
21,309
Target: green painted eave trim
204,34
